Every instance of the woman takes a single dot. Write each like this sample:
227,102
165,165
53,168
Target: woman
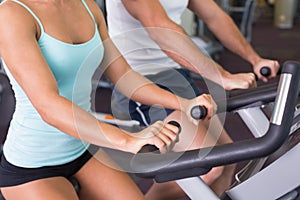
50,51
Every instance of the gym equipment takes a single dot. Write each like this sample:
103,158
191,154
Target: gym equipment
7,106
285,11
278,179
242,12
245,9
187,172
265,71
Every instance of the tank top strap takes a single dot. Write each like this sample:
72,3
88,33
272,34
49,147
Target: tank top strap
89,11
32,13
39,21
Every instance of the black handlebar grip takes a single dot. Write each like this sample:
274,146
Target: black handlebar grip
199,112
265,71
152,148
149,148
174,123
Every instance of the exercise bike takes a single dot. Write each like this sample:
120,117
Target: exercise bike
186,167
275,168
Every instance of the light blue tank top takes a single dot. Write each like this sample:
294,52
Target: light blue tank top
30,141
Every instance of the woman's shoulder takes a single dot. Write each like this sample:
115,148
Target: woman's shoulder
12,11
17,21
96,11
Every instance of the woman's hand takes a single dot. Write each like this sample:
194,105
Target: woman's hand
203,100
160,134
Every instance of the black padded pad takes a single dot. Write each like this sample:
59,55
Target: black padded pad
7,105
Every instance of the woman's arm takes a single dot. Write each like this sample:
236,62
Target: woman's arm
19,49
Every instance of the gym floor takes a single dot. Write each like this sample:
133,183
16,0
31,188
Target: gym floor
268,40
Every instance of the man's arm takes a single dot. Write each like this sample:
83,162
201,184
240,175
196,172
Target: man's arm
173,40
221,24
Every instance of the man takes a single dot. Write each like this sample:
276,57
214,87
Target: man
149,35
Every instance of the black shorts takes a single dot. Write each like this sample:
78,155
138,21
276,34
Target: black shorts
11,175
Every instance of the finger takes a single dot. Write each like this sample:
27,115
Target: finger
163,139
275,68
253,81
250,79
171,132
164,143
158,125
169,136
166,140
193,121
215,107
174,134
254,84
264,79
155,128
159,144
211,107
173,128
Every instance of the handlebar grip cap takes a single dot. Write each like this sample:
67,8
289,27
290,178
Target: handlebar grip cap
265,71
199,112
149,148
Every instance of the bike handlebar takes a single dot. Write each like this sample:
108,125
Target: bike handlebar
265,71
176,165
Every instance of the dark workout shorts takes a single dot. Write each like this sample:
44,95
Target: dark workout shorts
11,175
177,81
